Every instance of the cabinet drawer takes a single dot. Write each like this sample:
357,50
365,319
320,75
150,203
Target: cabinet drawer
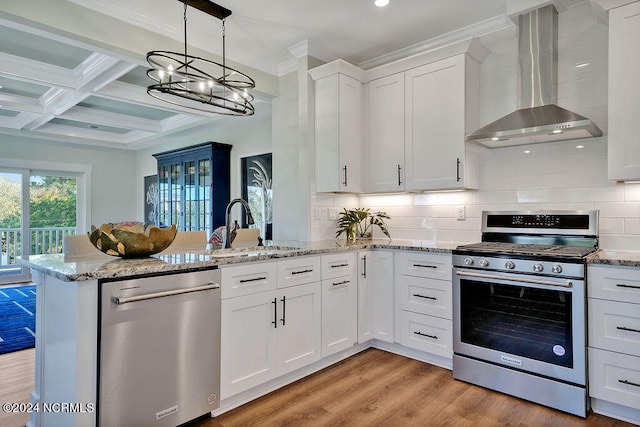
427,333
614,326
614,283
433,265
247,279
338,265
614,377
426,296
298,271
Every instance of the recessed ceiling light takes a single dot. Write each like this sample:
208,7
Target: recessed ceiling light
579,146
584,64
527,151
381,3
557,131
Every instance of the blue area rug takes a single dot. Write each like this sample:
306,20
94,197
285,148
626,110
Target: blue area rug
17,318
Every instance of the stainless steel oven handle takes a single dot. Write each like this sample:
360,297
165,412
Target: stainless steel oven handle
567,284
125,300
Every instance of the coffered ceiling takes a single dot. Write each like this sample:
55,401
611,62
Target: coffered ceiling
68,73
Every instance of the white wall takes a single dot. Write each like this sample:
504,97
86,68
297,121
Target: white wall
248,136
113,173
551,176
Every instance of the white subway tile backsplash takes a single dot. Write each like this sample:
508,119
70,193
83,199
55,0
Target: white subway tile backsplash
632,226
611,226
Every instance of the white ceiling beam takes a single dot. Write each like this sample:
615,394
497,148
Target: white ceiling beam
20,103
27,70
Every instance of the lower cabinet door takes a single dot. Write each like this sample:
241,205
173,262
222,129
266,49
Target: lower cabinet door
339,314
427,333
298,331
614,377
248,342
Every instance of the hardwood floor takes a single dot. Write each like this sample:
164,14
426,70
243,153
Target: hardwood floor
17,372
373,388
377,388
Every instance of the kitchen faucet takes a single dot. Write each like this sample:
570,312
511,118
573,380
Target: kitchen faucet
227,243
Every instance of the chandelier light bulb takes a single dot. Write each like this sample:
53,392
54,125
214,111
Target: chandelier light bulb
381,3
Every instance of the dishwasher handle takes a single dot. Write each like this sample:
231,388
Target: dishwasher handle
126,300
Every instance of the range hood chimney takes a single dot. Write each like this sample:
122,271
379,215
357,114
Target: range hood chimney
538,118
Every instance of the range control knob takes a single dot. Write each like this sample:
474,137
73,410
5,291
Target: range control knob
557,269
509,265
468,261
538,268
484,262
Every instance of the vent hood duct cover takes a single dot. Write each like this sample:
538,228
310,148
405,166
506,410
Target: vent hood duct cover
538,118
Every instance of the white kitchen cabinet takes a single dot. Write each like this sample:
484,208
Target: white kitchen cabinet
338,130
375,296
441,107
386,133
269,333
424,303
614,340
624,93
339,303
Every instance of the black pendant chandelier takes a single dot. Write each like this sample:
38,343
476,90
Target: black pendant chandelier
198,83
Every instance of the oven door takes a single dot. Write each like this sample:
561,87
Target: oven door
530,323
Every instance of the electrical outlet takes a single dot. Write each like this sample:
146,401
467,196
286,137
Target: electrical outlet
460,214
316,214
333,213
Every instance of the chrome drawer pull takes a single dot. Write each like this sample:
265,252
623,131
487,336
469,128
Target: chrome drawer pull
302,271
622,285
629,383
624,328
126,300
425,266
341,283
424,296
255,279
425,335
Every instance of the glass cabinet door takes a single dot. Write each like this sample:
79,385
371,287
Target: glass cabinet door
204,194
163,196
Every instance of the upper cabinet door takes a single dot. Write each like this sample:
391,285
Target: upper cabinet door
435,123
624,92
386,134
338,134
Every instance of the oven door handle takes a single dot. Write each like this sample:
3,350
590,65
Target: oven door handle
567,284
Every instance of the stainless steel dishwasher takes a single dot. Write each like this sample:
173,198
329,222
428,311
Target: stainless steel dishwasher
159,347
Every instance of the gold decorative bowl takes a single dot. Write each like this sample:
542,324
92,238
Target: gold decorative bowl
131,239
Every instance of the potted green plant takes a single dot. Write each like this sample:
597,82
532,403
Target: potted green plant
358,223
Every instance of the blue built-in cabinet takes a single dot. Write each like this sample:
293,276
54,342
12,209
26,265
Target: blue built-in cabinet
194,186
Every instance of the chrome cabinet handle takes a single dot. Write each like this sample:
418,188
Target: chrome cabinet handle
624,328
399,175
567,284
345,175
255,279
425,335
126,300
629,383
623,285
284,313
424,296
458,169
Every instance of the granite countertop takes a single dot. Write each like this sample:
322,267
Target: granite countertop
612,257
100,266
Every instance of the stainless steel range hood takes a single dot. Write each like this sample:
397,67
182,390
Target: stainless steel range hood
538,118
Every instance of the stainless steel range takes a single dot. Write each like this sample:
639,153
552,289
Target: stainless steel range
519,306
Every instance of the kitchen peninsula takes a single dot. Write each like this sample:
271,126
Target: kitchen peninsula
68,310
